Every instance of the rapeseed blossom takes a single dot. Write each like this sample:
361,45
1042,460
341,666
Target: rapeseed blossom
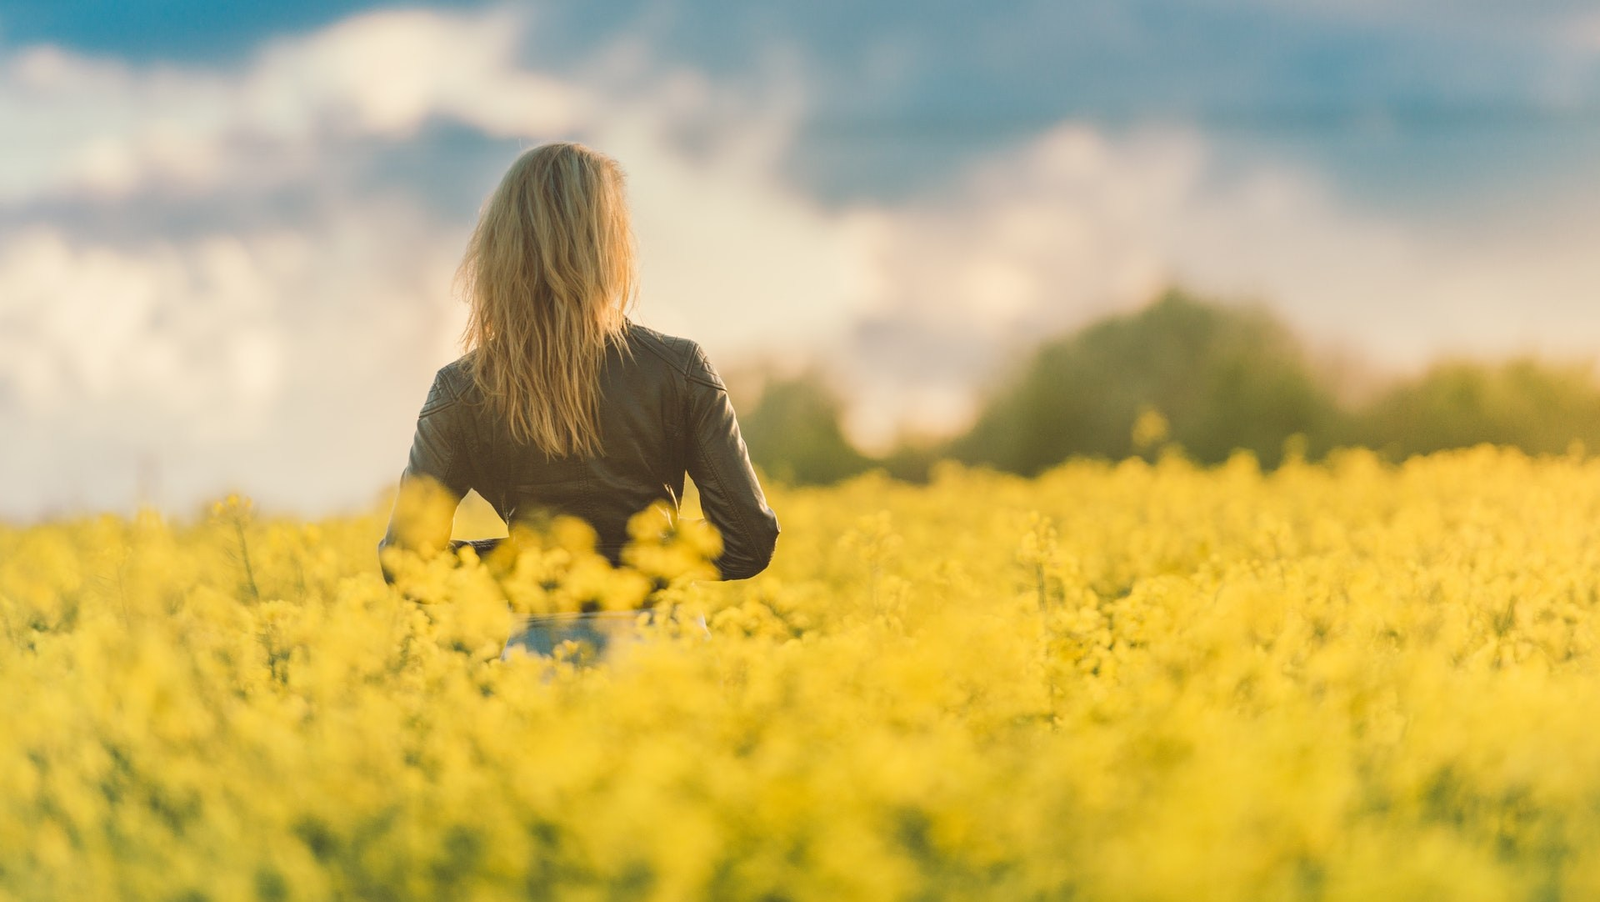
1337,681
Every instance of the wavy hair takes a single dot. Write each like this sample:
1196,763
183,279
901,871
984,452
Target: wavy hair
549,276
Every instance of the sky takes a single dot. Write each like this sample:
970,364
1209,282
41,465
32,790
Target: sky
227,231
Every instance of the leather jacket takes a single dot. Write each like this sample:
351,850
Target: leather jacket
664,413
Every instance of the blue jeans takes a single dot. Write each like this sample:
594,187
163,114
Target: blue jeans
594,636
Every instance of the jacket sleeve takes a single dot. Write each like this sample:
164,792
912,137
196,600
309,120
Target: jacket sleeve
719,464
434,481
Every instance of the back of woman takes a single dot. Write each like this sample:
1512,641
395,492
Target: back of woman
560,404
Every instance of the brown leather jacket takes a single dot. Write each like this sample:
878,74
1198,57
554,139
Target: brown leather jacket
664,413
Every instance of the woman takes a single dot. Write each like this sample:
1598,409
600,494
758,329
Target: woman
561,405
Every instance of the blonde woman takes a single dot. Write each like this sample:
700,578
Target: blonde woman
563,406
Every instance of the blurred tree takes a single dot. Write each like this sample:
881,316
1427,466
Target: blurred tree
1539,407
1206,377
793,433
912,459
1218,378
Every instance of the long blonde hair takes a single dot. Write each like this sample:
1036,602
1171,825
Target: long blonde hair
549,276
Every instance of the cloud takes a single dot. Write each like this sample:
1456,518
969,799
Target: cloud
103,326
233,361
86,126
1583,31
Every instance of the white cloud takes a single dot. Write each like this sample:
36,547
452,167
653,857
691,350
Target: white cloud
226,358
386,72
1583,31
93,325
84,126
730,255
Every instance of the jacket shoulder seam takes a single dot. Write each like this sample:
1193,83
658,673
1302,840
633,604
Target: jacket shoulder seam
446,389
662,346
702,372
456,376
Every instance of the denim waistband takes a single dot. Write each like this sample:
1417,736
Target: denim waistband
566,617
589,635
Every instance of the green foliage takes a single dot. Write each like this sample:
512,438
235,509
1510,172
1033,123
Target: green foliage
1203,377
1539,407
912,460
793,433
1222,378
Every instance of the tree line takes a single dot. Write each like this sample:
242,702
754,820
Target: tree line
1205,377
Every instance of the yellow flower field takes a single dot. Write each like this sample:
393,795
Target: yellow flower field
1341,681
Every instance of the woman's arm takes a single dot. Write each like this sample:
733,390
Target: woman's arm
719,464
434,481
